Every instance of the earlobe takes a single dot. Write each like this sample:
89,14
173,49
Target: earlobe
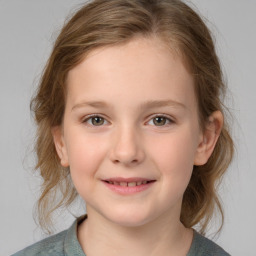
60,145
209,138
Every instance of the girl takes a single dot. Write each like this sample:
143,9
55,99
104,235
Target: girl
130,117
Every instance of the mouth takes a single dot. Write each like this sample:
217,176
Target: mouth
126,186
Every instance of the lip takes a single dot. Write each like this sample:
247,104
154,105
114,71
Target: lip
128,186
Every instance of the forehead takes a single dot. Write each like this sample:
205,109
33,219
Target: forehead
143,66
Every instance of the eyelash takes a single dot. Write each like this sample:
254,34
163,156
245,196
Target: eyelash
91,117
167,118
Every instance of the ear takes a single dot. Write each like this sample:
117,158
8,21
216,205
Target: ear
60,146
209,138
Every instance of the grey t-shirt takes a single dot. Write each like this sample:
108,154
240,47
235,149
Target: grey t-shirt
66,243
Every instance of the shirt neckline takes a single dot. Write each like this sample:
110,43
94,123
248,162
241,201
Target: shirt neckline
72,246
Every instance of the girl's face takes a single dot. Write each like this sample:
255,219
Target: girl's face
131,132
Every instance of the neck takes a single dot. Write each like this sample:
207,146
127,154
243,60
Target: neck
166,236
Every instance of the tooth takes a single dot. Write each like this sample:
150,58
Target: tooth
123,184
144,182
116,183
139,183
110,182
131,184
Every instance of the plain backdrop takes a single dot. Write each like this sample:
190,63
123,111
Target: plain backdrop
27,31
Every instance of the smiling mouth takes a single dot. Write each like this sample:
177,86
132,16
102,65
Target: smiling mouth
129,184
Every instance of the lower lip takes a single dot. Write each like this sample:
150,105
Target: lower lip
123,190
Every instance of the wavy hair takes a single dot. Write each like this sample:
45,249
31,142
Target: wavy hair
102,23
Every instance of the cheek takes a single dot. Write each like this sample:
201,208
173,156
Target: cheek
174,157
174,149
85,154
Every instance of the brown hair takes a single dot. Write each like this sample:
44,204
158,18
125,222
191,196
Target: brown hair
102,23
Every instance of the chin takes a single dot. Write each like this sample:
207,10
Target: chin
129,219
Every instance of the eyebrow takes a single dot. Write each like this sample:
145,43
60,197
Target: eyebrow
144,105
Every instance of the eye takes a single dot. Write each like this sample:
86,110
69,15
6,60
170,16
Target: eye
95,120
160,121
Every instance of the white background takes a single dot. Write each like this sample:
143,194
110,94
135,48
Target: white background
27,31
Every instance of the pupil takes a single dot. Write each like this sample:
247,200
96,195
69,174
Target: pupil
97,121
159,121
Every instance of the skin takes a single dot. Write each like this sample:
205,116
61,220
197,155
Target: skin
129,141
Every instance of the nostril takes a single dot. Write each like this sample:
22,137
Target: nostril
126,155
135,161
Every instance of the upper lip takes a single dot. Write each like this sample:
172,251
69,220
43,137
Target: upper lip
131,179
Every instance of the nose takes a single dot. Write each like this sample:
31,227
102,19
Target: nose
127,147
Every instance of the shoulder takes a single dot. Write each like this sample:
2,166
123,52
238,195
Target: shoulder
53,245
61,244
202,246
